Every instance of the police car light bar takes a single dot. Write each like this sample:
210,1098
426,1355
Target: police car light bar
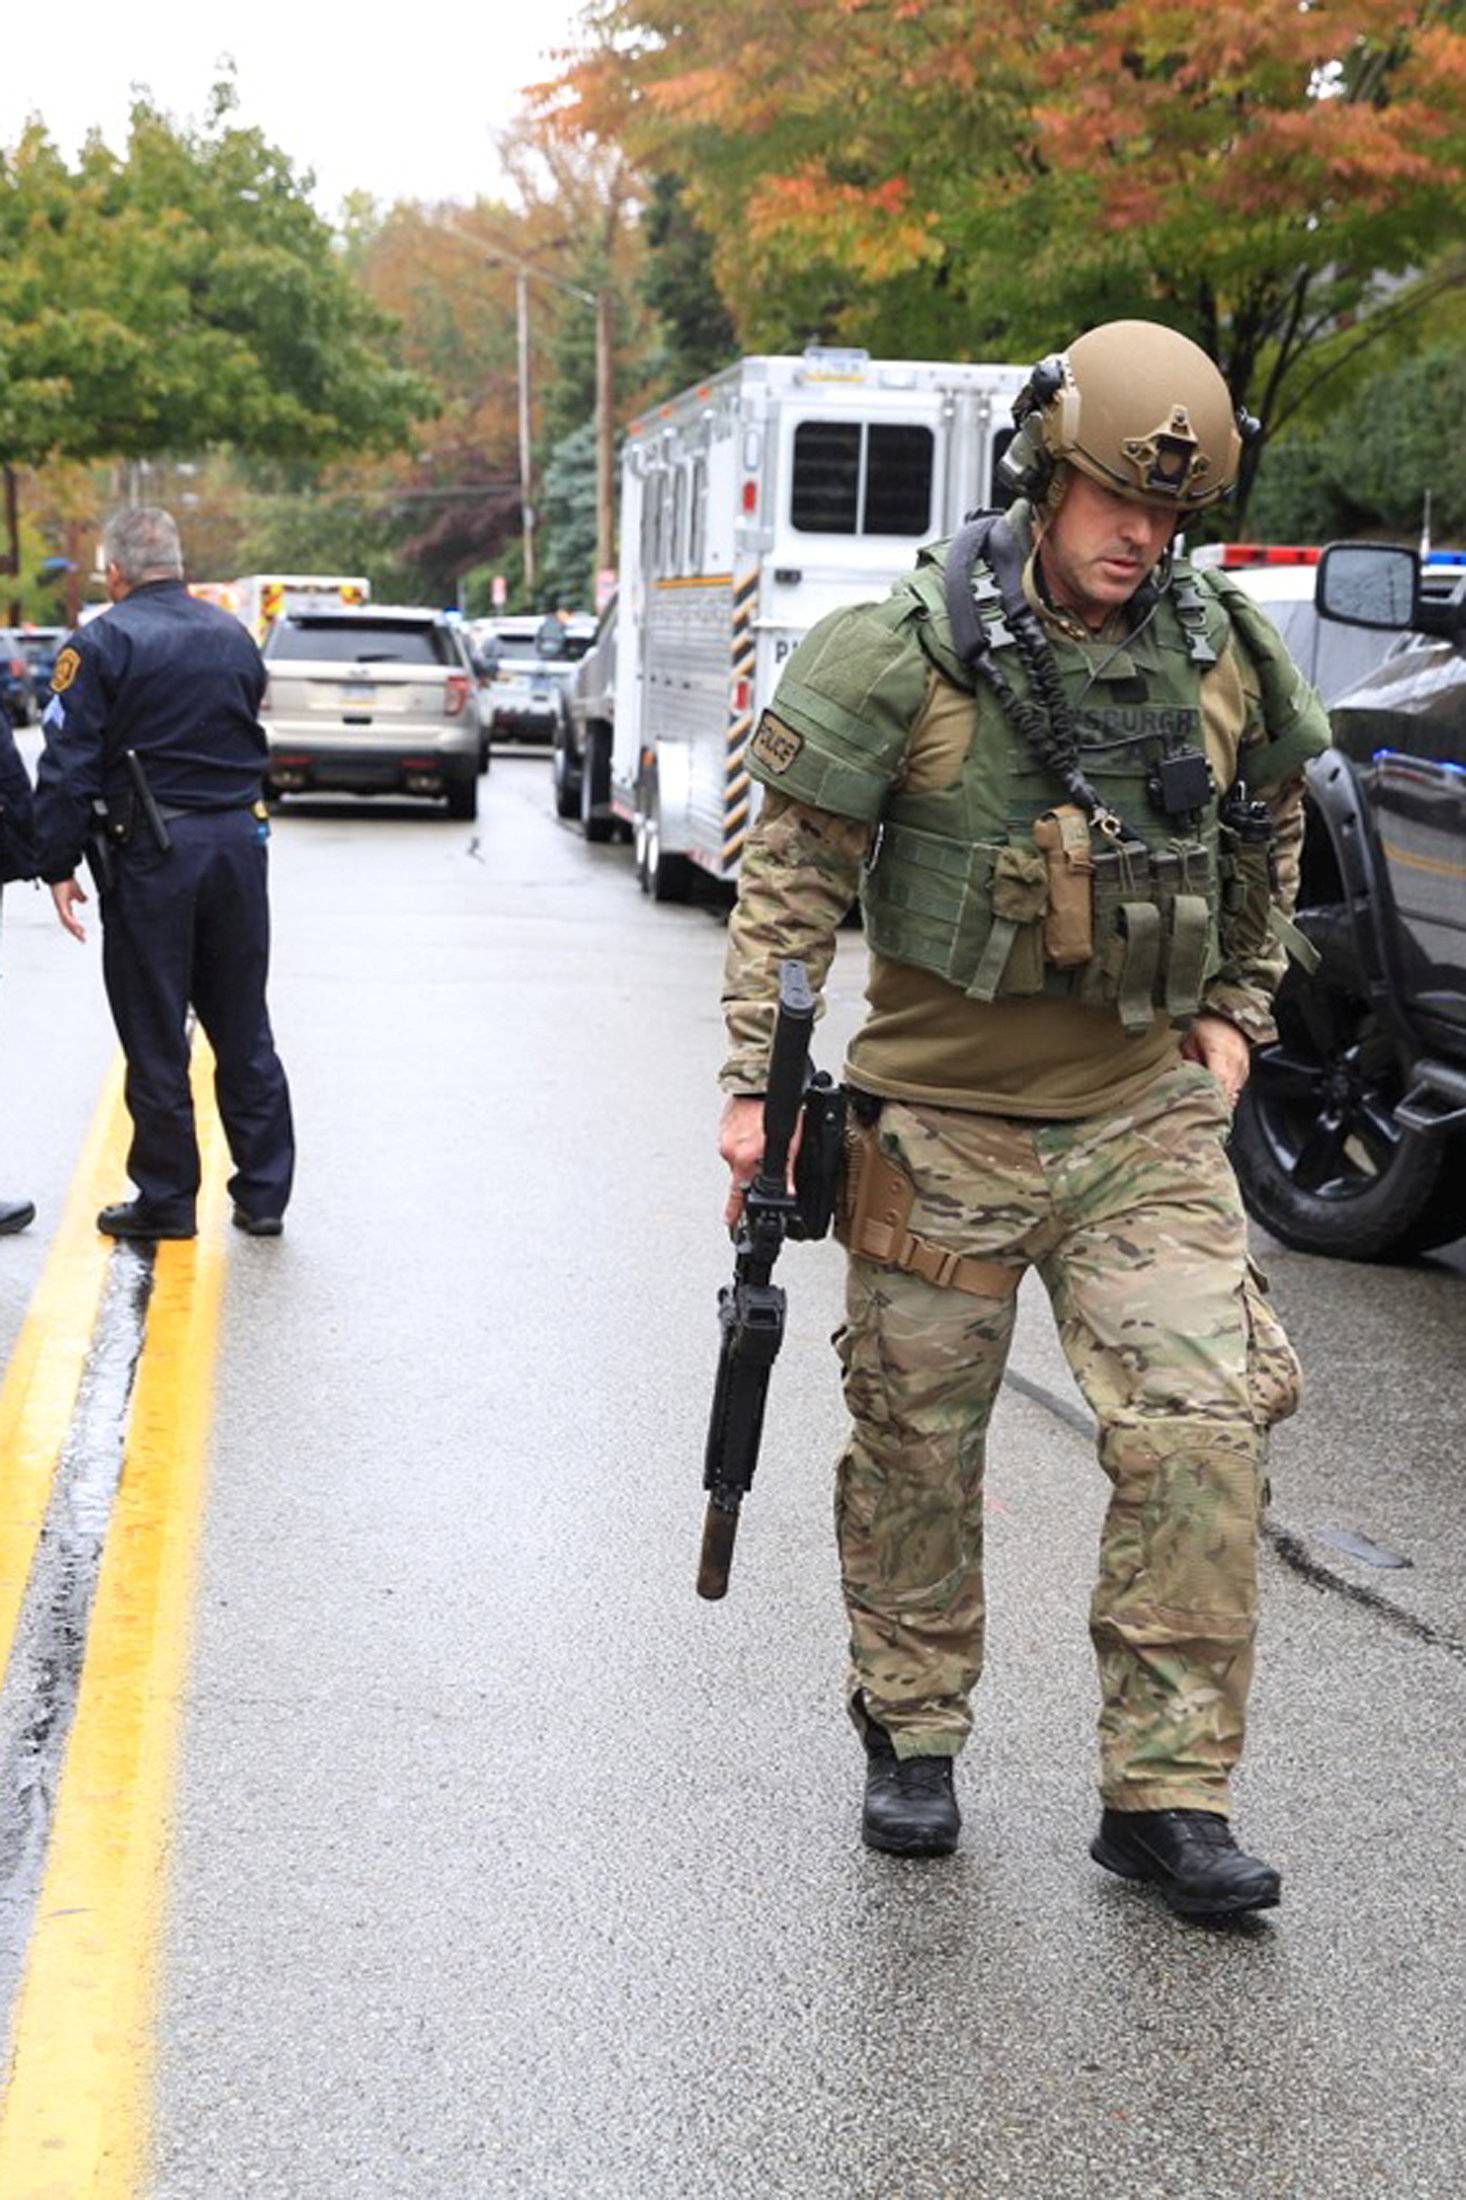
1234,554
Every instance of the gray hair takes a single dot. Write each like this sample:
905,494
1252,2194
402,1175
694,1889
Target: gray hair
143,544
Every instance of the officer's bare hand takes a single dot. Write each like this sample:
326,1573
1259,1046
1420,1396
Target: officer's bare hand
1220,1047
741,1144
68,896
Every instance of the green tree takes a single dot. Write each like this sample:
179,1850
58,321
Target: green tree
181,295
568,509
678,286
1365,470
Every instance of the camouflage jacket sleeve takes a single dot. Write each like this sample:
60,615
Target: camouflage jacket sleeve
799,875
1285,725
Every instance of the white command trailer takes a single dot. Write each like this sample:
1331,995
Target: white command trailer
750,506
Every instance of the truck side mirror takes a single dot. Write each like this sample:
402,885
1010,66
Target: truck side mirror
1373,584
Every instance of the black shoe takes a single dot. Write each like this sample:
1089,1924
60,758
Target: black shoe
16,1214
133,1218
257,1225
910,1809
1191,1856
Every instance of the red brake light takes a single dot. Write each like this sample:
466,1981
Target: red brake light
1236,554
455,693
750,496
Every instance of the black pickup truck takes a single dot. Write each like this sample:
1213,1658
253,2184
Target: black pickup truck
1350,1139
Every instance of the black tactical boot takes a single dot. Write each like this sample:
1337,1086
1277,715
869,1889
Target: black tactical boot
1191,1856
257,1225
133,1218
910,1809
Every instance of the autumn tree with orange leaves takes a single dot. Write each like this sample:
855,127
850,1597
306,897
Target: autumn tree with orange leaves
1285,180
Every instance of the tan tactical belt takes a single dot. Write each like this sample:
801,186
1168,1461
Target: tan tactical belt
874,1219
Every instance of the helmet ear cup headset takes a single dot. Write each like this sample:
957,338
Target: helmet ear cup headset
1027,466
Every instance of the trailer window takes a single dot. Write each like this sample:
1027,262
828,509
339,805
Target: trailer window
672,562
861,477
651,524
998,496
697,533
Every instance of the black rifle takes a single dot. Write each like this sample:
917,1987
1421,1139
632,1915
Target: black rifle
751,1308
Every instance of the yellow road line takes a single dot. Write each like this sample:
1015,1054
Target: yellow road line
1436,865
75,2120
41,1382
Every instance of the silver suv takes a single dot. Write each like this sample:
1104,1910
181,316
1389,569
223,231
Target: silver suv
372,699
531,659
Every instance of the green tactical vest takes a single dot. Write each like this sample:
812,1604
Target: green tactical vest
956,883
958,886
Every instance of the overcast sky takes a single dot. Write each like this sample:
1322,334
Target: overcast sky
408,111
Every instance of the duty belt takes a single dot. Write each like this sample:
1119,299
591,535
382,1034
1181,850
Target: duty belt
170,810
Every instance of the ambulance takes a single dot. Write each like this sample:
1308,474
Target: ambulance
262,597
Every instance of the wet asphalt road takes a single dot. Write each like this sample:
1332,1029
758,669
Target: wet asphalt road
503,1866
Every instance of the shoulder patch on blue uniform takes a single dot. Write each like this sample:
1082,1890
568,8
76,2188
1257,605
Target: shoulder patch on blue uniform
68,665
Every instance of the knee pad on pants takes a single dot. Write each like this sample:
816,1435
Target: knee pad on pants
1179,1549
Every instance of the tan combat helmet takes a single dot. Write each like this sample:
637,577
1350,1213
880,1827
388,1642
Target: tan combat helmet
1139,408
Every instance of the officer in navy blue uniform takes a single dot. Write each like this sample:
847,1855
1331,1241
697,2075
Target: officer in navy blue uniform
154,764
17,860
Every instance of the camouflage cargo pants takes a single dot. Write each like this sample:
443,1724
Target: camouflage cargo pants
1134,1223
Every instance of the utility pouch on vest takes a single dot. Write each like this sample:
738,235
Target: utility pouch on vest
1013,958
1062,835
1127,936
874,1223
1246,844
1246,898
1183,876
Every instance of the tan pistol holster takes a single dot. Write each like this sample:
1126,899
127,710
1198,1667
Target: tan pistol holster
873,1221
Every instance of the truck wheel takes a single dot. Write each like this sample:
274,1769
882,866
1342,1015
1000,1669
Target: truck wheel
595,785
567,778
664,877
1322,1158
462,797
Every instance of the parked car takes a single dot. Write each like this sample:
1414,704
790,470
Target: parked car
372,699
15,678
1280,577
480,664
1351,1136
39,646
582,757
530,678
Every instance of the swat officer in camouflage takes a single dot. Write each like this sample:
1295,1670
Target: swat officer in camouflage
1064,774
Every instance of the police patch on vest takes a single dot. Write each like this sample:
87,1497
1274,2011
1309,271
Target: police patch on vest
775,744
68,665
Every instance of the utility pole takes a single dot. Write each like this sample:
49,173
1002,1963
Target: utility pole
603,300
526,484
605,434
